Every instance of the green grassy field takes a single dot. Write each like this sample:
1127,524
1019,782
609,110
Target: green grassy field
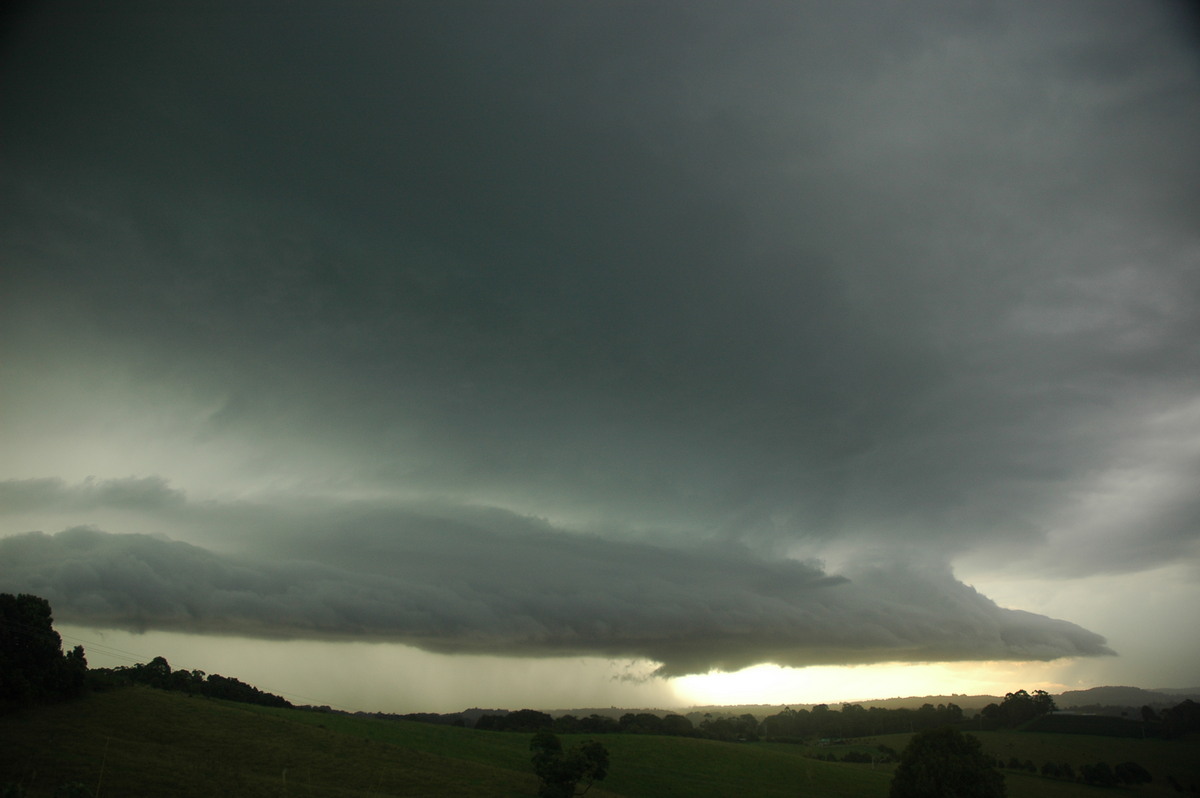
1163,758
144,742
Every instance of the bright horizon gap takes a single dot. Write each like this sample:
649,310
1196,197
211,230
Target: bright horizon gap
834,684
391,677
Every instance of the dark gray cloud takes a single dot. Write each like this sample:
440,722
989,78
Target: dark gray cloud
799,279
449,587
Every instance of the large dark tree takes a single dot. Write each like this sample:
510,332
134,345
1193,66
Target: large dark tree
945,763
32,664
1181,719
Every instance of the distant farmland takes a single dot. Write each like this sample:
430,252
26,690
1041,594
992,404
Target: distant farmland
143,742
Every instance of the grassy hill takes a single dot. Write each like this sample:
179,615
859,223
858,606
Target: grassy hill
642,765
145,742
1164,759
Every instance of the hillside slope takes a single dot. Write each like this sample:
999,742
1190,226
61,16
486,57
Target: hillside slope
145,742
641,765
140,741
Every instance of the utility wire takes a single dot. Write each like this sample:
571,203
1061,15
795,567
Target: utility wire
138,659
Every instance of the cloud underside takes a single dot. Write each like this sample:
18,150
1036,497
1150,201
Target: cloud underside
537,594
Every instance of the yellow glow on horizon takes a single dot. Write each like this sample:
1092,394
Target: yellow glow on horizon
772,684
396,678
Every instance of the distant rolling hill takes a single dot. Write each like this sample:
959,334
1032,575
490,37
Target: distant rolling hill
1123,697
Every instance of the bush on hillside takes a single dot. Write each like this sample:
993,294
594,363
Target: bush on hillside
945,763
559,772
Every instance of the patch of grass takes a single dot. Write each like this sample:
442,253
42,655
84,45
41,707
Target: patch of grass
644,765
641,765
1177,758
1163,758
497,749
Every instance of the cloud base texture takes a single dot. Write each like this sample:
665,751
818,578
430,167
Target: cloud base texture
537,594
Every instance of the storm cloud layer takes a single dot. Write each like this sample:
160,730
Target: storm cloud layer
534,593
708,333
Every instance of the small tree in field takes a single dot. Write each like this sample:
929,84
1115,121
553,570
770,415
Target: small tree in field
945,763
560,772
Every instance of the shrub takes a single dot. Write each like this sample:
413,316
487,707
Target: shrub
945,763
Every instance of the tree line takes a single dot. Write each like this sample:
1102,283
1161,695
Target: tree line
744,727
34,669
157,673
795,725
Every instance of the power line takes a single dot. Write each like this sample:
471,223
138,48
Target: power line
137,659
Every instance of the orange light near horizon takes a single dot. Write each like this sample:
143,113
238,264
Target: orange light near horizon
775,685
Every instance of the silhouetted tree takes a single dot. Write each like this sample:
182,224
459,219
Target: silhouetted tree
1043,702
1181,718
526,720
560,772
719,729
598,724
787,723
523,720
32,664
1100,775
74,673
157,673
1132,773
945,763
678,726
992,716
566,724
641,723
1017,708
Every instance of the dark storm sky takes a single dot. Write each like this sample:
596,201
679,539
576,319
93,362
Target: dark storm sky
708,333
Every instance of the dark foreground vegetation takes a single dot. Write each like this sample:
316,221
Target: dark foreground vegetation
1018,710
33,667
35,670
140,741
157,673
146,730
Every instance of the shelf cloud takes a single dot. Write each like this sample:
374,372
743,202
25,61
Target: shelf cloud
449,586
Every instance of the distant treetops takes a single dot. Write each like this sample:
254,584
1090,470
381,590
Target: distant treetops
157,673
1017,709
34,669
